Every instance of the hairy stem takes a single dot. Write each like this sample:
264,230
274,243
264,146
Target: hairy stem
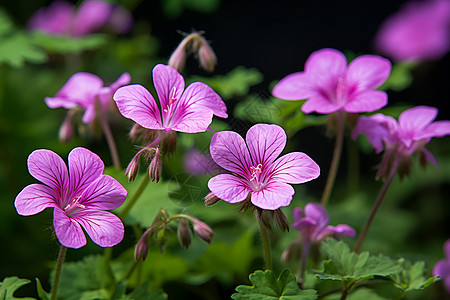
266,244
110,140
336,158
377,203
59,263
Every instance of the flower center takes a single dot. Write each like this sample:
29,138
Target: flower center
255,180
170,108
74,206
341,90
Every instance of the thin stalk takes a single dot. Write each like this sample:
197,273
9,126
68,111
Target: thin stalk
335,160
266,244
306,247
110,140
59,263
353,167
123,213
377,203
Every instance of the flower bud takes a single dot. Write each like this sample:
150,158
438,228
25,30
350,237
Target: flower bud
155,166
133,168
141,249
202,230
206,57
66,130
211,199
178,57
184,233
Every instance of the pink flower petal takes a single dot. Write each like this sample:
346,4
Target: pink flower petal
106,93
325,66
168,84
47,167
338,230
67,230
84,168
104,228
438,129
199,94
136,103
366,102
229,188
295,167
320,104
54,19
35,198
229,151
297,214
295,86
416,118
318,213
273,196
90,17
265,143
190,120
377,128
368,72
105,193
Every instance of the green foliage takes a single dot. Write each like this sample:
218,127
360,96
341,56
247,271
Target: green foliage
174,8
347,266
40,290
400,78
142,293
412,276
10,285
266,286
65,45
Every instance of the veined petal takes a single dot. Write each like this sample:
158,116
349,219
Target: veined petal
368,72
35,198
229,188
90,16
320,104
229,151
413,120
105,193
84,168
67,230
104,228
295,167
295,86
168,84
191,120
366,102
135,102
47,167
318,213
265,142
199,94
325,66
274,195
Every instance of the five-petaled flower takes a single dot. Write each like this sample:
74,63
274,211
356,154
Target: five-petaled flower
255,168
414,129
86,90
313,224
330,86
79,196
442,267
189,110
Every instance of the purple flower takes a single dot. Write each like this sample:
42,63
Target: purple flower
419,31
255,168
79,197
189,111
85,90
330,85
442,267
198,163
61,18
313,224
414,129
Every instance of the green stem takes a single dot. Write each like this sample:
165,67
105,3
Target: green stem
336,158
353,167
59,263
306,247
135,197
107,254
110,140
377,203
266,244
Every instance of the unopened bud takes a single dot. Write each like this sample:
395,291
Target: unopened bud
211,199
206,57
155,166
184,233
203,230
178,57
141,250
133,168
66,130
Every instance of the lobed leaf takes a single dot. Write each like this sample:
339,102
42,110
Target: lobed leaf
10,285
412,277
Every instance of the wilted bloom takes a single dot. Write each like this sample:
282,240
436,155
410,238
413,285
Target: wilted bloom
414,129
198,163
86,90
313,224
255,168
189,111
61,18
419,31
79,196
330,85
442,267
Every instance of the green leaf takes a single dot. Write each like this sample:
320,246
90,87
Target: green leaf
142,293
10,285
5,23
64,45
266,286
40,290
400,78
347,266
412,276
17,48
